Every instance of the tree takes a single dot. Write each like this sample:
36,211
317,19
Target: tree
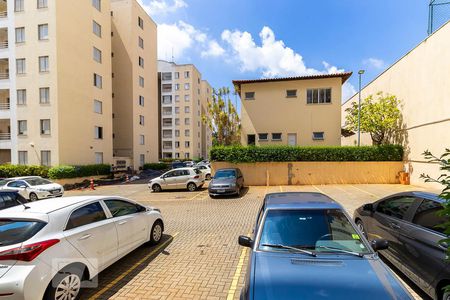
380,117
222,118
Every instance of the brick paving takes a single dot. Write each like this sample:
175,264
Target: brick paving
201,253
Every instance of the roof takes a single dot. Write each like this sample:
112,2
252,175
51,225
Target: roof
23,177
344,76
307,200
419,194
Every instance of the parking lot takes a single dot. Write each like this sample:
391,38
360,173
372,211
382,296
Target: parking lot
199,257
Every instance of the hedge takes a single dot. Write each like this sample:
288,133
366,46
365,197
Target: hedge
60,172
7,171
240,154
156,166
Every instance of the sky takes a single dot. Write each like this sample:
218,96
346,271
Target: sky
247,39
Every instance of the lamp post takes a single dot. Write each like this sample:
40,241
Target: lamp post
360,72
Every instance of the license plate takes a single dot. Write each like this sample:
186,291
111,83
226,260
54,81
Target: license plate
221,191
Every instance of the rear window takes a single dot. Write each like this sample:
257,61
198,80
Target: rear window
225,174
18,231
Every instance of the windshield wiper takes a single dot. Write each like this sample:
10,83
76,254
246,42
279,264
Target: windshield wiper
290,248
341,250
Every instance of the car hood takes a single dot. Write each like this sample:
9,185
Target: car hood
223,181
278,276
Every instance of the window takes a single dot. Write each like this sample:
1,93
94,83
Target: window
98,157
43,32
18,5
318,136
17,231
250,139
21,66
120,208
291,93
97,29
141,43
177,131
98,132
187,133
44,95
177,75
177,86
97,4
141,62
141,22
22,97
141,120
44,65
187,98
86,215
141,100
97,54
98,107
187,109
249,95
20,35
23,157
142,139
141,160
42,4
187,121
22,127
263,136
276,136
177,111
98,81
45,126
186,155
167,88
395,207
186,74
427,215
187,144
46,159
141,81
177,155
314,96
177,98
166,76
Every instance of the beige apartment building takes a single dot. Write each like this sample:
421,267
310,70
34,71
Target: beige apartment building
302,110
421,81
183,100
135,84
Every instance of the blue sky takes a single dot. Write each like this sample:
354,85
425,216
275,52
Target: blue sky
240,39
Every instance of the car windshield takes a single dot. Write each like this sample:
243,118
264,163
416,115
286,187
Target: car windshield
225,174
17,231
318,230
37,181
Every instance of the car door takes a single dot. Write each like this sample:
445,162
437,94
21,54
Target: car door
169,179
94,235
20,186
131,223
182,178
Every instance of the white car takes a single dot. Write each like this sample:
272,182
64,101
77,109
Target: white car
181,178
51,248
33,187
205,169
189,163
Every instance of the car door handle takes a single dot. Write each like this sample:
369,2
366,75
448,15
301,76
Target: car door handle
122,222
394,226
84,237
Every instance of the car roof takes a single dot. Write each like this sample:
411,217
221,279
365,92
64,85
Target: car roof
227,169
300,200
419,194
23,177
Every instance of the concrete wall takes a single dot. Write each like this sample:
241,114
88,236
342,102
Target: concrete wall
421,81
299,173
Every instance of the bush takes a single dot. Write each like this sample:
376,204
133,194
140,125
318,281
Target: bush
240,154
7,171
60,172
156,166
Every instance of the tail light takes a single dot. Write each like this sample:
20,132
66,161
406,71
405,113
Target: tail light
27,252
196,177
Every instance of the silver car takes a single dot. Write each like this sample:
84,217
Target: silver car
33,187
182,178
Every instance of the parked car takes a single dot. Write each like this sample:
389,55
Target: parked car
189,163
178,164
34,187
182,178
205,170
203,162
10,198
226,182
410,222
49,248
305,246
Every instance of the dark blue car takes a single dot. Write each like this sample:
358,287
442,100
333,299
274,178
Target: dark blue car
305,246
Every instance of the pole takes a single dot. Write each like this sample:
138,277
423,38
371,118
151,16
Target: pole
359,108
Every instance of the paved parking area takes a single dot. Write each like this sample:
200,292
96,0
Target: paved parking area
199,257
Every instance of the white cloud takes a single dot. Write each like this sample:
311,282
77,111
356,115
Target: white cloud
348,90
214,49
161,7
374,63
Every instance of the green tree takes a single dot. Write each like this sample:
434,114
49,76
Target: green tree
222,118
380,117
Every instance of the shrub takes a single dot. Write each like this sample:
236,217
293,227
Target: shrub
22,170
60,172
240,154
156,166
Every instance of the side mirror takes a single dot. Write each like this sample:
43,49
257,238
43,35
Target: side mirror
368,207
245,241
379,244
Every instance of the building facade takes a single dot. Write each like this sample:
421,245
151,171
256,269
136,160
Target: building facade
183,101
302,111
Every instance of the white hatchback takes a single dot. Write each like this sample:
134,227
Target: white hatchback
33,187
181,178
49,248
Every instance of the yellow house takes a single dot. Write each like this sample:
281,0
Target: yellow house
303,110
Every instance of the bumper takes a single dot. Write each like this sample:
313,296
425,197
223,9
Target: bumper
223,191
47,194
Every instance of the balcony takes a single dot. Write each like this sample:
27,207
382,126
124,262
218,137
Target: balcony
4,69
167,111
5,134
167,100
3,9
167,88
167,123
167,134
167,145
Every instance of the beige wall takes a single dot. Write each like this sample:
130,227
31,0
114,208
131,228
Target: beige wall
271,112
206,131
299,173
421,81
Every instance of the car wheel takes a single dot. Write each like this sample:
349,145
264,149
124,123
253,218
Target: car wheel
191,187
156,188
33,197
208,177
156,233
360,225
65,285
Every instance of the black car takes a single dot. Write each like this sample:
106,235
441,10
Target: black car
10,198
228,181
411,223
178,164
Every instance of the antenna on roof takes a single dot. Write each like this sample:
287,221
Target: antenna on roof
21,203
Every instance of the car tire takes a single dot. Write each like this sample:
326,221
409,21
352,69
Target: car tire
156,188
33,197
212,196
191,187
208,177
361,227
156,232
69,280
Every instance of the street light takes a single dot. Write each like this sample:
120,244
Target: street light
360,72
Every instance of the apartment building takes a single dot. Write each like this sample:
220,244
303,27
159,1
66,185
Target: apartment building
183,100
55,82
135,83
302,110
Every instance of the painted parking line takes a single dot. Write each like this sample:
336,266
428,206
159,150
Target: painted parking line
319,190
281,188
198,194
364,191
237,274
119,278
